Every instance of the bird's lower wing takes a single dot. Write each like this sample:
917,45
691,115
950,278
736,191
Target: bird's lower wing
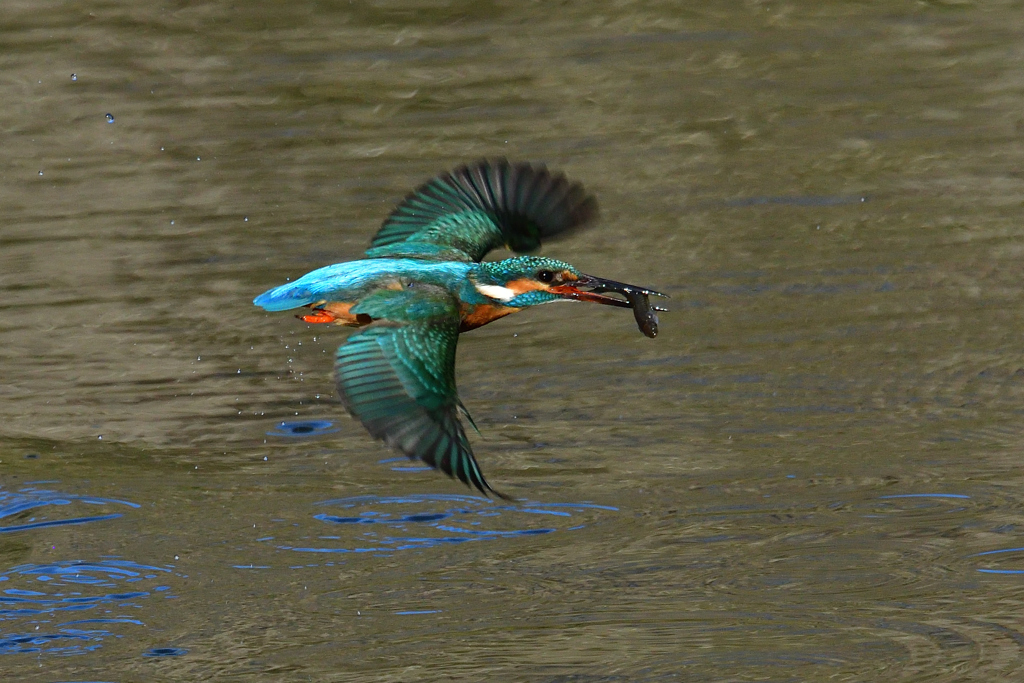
397,377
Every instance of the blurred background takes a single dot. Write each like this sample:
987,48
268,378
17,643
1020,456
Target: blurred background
813,473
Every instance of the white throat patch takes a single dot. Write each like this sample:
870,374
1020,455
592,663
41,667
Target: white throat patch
495,292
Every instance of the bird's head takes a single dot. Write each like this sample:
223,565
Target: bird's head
531,280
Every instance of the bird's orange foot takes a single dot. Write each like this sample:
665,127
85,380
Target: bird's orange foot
319,315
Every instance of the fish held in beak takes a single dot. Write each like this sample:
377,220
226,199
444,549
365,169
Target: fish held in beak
637,298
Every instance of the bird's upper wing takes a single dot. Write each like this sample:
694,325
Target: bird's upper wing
466,213
397,376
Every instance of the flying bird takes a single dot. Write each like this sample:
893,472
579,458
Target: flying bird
423,282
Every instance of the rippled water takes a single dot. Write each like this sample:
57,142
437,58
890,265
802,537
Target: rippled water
812,474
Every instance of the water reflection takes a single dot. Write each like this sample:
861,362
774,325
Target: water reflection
165,652
303,428
36,598
408,467
383,524
730,145
17,503
1003,554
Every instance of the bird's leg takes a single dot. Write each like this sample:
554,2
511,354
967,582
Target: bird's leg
319,315
337,312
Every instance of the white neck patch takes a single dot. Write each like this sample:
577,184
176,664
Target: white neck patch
495,292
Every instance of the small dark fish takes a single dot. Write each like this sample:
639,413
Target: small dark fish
646,318
637,298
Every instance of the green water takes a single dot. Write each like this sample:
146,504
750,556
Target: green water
798,480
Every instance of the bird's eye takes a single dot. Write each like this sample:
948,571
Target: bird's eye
545,276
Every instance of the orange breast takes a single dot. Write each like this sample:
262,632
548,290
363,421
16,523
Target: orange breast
477,316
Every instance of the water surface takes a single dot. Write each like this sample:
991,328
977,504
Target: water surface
812,474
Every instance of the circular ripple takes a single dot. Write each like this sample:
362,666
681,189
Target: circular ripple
38,596
15,503
999,557
918,504
390,523
165,652
303,428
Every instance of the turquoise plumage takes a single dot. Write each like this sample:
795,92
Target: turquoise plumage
423,283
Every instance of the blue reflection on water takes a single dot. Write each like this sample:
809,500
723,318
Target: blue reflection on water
405,468
1001,551
165,652
29,498
66,641
35,600
382,524
418,611
303,428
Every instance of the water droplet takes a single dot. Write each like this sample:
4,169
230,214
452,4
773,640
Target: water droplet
172,222
175,557
100,437
40,173
110,118
161,149
74,77
264,457
246,219
198,159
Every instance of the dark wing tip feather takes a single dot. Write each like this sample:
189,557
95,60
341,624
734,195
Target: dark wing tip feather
521,193
524,204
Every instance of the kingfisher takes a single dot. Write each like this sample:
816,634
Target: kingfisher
423,282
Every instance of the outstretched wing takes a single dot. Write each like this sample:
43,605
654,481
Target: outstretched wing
397,377
466,213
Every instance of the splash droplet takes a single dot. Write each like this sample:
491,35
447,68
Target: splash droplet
40,173
110,118
74,77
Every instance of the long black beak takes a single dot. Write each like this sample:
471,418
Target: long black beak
598,285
